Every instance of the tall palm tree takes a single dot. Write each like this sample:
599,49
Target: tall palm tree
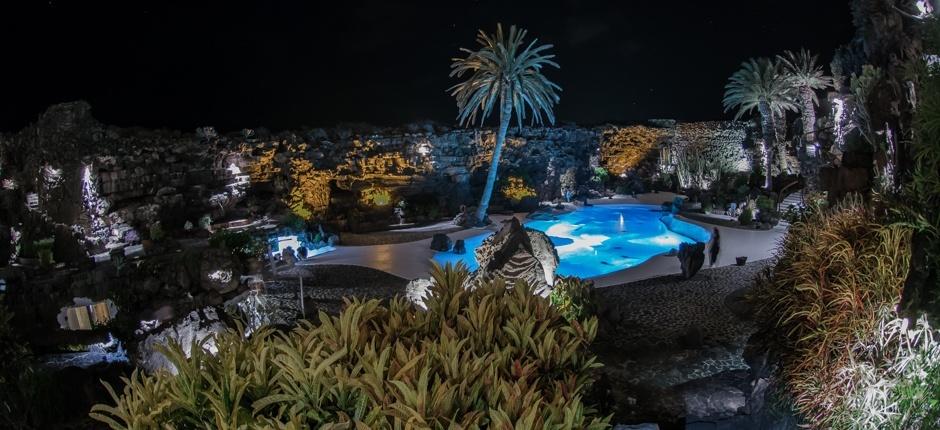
503,70
760,84
806,77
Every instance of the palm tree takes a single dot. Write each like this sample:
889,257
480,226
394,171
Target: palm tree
761,85
506,71
805,77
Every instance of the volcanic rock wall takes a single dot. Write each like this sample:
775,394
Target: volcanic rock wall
72,171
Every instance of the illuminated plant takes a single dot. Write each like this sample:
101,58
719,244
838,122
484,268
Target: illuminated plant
761,85
573,297
838,280
494,357
506,74
516,189
376,196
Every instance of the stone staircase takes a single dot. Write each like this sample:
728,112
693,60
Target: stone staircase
795,199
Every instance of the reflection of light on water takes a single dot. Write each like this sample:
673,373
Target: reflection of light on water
661,240
592,241
582,242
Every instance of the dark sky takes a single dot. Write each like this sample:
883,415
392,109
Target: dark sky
291,64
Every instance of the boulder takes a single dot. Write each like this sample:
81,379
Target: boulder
712,398
261,308
517,253
691,258
218,271
460,247
441,242
196,326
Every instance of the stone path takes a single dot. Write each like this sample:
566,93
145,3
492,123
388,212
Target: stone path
661,337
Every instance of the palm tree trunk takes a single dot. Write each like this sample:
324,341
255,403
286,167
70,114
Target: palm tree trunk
809,116
768,127
505,117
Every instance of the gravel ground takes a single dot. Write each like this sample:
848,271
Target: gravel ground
325,286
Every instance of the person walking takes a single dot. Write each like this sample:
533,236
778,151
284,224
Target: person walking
715,248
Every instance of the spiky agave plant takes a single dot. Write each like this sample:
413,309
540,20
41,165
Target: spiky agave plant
806,77
761,85
507,75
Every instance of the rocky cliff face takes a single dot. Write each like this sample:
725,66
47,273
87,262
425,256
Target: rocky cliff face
110,184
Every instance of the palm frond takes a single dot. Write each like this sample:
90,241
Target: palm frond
504,68
759,81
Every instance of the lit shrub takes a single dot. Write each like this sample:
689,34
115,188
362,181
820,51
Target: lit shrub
746,217
836,285
493,357
241,243
573,297
516,189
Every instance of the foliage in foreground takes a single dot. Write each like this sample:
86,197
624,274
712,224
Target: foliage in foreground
573,297
494,357
848,359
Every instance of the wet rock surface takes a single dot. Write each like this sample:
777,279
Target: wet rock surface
674,351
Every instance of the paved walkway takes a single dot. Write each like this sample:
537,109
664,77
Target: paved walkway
413,259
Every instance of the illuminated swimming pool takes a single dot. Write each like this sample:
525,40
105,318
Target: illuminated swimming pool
602,239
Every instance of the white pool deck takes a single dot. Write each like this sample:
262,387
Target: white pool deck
414,259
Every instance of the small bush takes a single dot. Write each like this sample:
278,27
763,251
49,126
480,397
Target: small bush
241,243
746,217
573,297
156,232
493,357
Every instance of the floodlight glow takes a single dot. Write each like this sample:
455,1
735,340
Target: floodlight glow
284,241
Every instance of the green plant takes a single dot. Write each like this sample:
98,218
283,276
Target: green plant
838,278
294,222
241,243
491,357
507,75
573,297
746,217
156,232
600,176
765,203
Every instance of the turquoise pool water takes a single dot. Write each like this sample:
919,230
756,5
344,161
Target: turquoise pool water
602,239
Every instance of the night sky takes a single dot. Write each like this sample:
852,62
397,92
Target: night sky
288,65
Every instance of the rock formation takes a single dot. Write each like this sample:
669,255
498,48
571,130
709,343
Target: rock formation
518,253
691,257
194,328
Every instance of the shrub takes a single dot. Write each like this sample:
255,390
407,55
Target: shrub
156,232
835,288
573,297
746,217
493,357
241,243
765,204
515,190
